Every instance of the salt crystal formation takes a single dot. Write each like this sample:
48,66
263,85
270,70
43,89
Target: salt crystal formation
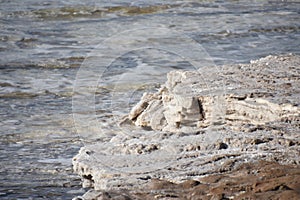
203,122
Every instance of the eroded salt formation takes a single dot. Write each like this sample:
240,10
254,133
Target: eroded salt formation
203,122
262,92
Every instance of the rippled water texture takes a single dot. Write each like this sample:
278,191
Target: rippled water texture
42,45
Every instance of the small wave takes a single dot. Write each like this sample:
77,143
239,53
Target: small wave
94,12
278,29
72,62
246,33
29,95
5,84
25,43
18,95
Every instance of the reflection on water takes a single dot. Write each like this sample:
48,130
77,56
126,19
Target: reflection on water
42,45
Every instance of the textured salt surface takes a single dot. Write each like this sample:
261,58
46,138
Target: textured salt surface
202,123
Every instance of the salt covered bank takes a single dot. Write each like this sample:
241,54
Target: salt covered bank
202,123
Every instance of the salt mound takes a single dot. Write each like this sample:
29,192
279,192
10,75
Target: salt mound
199,121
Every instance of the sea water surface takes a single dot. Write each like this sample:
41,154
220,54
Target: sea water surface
43,44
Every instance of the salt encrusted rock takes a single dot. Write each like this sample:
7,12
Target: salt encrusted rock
201,121
179,107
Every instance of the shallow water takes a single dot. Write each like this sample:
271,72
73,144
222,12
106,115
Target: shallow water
43,45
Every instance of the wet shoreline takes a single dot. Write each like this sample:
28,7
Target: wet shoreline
258,180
